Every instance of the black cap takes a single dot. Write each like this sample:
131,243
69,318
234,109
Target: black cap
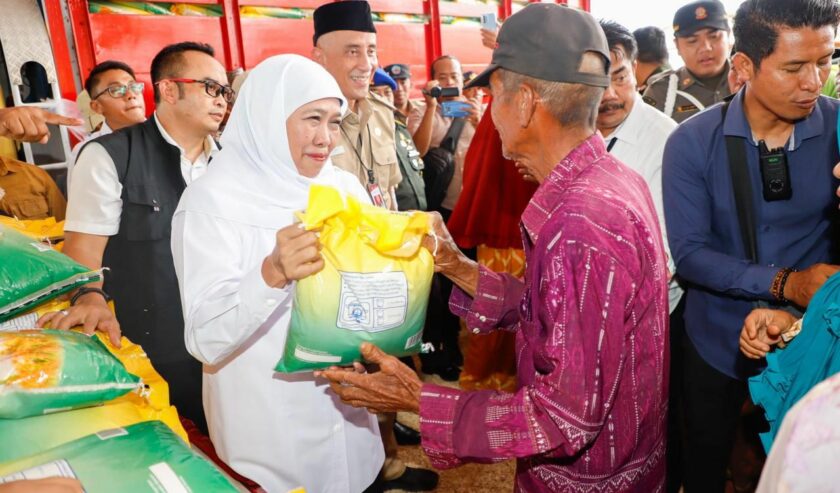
398,71
694,16
351,15
547,42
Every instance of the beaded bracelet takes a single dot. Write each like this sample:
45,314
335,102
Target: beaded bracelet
777,289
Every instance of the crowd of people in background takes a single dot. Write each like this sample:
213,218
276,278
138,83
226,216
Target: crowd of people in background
639,255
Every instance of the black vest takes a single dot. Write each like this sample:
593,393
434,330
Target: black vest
142,277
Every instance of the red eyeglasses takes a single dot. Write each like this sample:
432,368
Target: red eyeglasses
211,87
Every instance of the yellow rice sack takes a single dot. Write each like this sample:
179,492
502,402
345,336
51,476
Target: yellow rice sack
374,287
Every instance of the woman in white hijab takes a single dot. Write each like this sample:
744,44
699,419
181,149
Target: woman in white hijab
237,255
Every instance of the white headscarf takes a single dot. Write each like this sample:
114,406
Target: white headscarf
253,179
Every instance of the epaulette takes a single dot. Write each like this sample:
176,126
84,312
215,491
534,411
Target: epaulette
375,98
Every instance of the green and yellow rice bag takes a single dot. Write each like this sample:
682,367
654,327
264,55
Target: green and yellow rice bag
146,456
32,273
26,436
374,286
45,371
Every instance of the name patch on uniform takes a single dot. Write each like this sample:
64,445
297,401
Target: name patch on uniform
684,108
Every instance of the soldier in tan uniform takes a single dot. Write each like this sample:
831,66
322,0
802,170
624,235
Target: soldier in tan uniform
701,33
345,44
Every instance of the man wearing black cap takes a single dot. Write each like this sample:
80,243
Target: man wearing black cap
401,74
701,33
345,44
590,316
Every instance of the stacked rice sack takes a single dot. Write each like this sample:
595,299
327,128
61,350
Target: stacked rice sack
74,405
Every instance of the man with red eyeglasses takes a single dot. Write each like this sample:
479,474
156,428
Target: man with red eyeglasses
124,190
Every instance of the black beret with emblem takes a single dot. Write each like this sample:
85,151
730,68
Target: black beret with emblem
350,15
694,16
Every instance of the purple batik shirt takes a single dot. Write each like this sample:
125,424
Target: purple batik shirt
591,323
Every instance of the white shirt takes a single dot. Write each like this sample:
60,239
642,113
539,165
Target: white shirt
281,430
640,143
104,129
94,204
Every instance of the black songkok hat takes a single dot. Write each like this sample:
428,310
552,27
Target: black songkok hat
350,15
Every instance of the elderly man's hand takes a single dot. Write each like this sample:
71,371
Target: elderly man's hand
762,329
29,124
440,242
395,387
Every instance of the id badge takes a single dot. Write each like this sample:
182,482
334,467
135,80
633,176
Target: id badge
376,195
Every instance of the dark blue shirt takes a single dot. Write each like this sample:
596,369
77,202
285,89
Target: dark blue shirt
703,230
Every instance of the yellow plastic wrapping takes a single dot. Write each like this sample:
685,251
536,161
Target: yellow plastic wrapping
40,229
31,435
374,286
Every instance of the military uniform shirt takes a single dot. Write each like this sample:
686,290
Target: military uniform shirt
366,145
411,192
688,92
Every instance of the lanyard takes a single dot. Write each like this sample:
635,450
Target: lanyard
371,177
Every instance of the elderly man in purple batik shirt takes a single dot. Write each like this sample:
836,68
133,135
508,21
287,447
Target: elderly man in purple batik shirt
591,315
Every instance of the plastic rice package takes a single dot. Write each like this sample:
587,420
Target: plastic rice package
374,286
47,229
44,371
32,273
273,12
145,456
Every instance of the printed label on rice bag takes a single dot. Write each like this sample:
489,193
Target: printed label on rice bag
56,469
164,479
22,322
372,302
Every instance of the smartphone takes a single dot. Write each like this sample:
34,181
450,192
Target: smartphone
455,109
489,22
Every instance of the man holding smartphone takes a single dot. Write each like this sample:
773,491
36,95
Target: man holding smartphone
446,116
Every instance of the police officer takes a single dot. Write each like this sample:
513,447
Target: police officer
701,33
401,74
411,192
345,44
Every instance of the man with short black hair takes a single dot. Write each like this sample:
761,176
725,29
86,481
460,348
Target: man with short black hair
701,33
429,127
401,73
115,94
653,55
590,315
767,239
124,191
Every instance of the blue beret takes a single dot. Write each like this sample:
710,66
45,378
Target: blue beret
381,78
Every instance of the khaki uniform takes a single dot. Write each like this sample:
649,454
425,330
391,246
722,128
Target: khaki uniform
679,94
28,192
366,145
